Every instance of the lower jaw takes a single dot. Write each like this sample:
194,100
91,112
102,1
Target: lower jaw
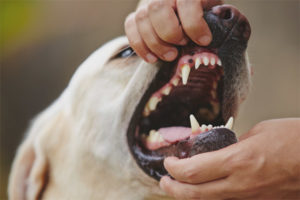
151,162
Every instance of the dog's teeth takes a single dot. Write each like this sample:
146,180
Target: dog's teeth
197,63
209,127
153,103
185,72
146,112
216,107
167,90
229,123
194,124
219,62
212,61
155,136
203,128
215,84
175,81
213,94
205,61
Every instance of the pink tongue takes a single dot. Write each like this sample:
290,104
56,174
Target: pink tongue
175,134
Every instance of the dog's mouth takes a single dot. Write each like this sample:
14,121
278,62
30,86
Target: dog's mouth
181,109
188,106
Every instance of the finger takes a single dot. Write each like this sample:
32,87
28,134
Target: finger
212,190
157,46
193,23
135,40
165,21
200,168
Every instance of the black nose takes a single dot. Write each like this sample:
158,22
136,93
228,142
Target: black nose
231,17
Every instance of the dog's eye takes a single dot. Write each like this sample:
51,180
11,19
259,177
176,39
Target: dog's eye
125,53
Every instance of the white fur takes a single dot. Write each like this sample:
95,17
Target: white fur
78,145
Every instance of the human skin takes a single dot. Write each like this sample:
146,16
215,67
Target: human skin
154,29
264,164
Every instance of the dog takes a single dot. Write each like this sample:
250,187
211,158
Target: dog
106,136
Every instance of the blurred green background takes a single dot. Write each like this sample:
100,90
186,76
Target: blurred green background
43,42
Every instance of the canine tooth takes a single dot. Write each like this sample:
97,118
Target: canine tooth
229,123
185,72
167,90
212,61
203,128
205,61
197,63
153,103
194,123
219,62
209,127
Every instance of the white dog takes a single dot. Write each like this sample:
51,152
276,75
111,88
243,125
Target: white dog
81,147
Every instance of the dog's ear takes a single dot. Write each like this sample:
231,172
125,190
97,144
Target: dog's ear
29,173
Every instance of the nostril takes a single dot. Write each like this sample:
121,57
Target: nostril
226,14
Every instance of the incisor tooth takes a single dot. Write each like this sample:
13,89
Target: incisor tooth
212,61
229,123
185,72
153,103
209,127
205,61
197,63
203,128
194,123
219,62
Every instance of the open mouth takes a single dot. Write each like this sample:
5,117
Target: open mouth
181,114
188,106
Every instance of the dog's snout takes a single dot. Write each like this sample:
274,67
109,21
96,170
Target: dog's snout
231,17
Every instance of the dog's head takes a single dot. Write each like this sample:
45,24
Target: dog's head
121,116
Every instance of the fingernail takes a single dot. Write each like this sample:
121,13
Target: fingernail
151,58
205,40
171,55
183,42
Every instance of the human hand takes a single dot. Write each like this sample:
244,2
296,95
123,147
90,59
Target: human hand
265,164
155,29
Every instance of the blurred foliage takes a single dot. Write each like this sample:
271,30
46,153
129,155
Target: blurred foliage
15,19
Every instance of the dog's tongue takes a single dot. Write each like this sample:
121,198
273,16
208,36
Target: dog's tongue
175,134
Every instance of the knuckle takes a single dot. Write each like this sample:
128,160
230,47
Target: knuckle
141,14
189,174
156,5
129,19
